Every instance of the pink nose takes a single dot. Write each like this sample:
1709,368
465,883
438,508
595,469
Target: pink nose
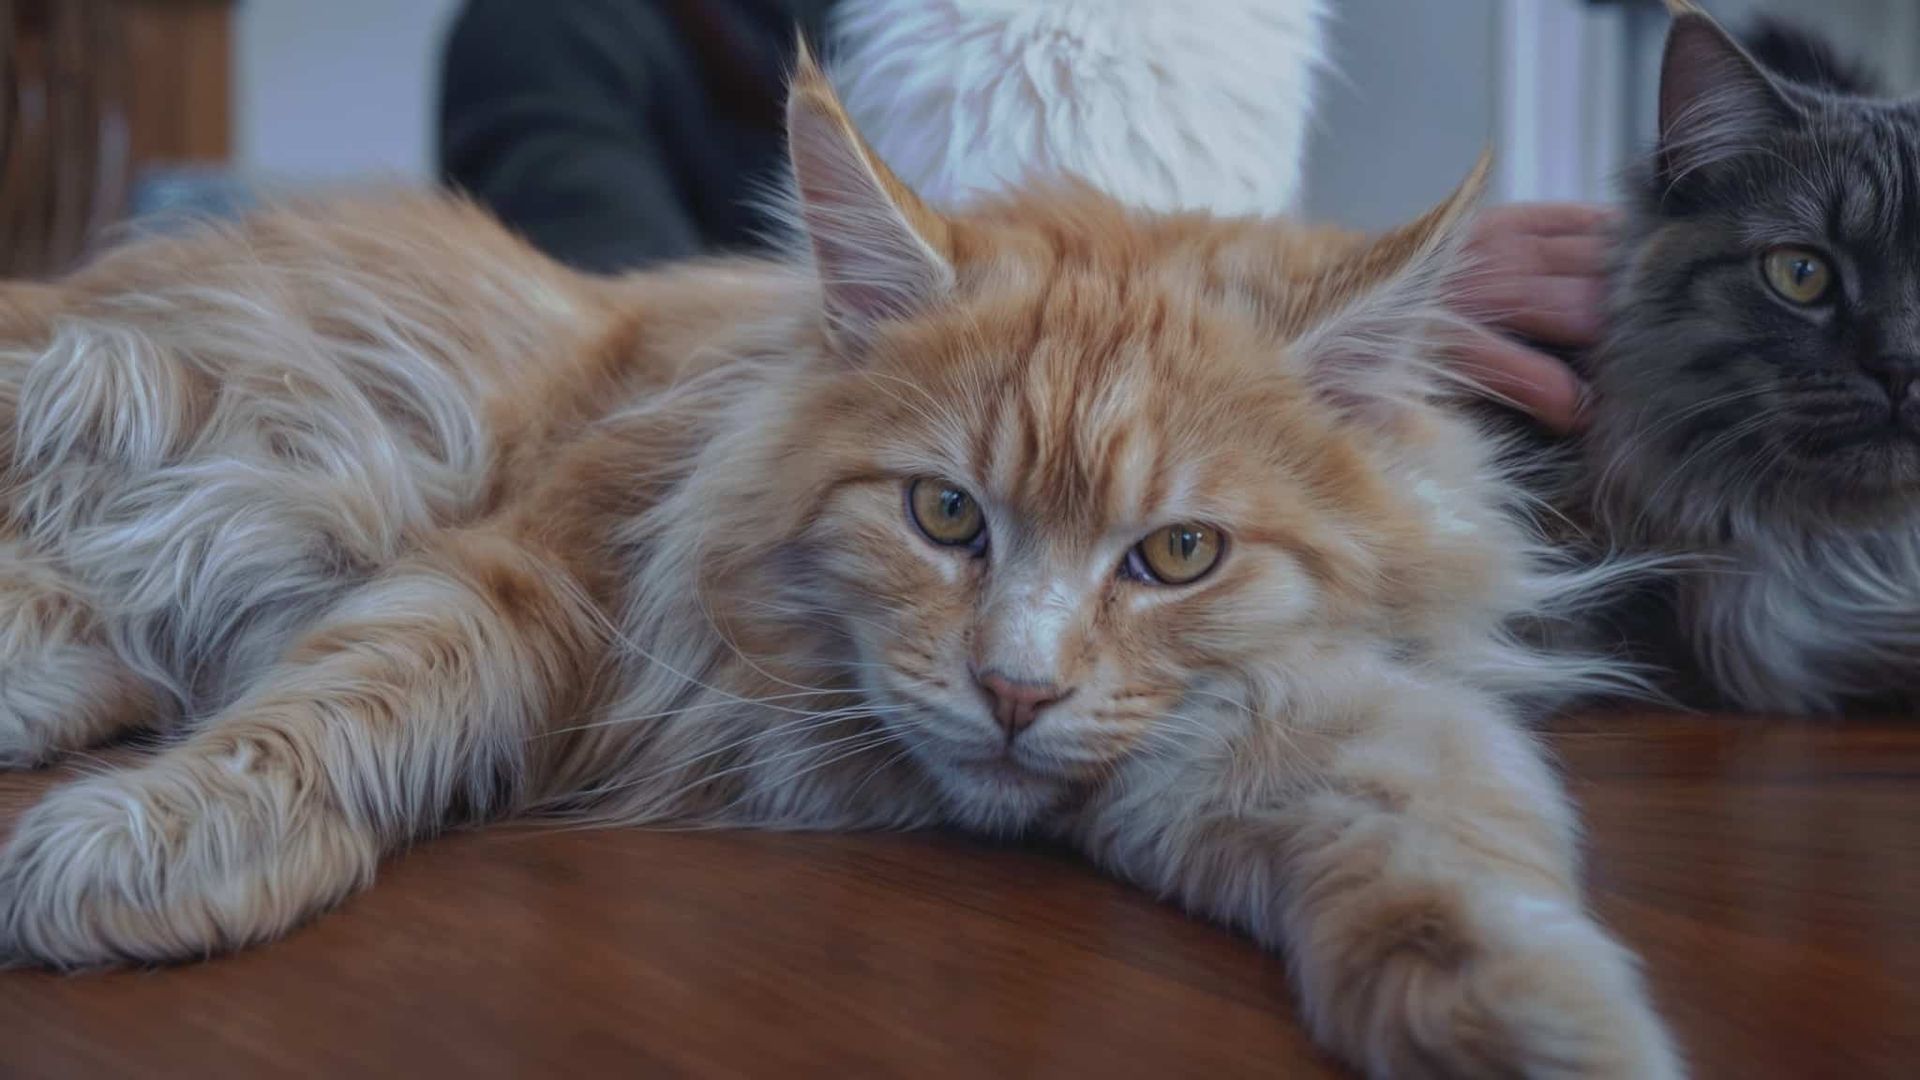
1016,704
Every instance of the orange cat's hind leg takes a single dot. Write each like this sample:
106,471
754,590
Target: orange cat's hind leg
413,704
61,686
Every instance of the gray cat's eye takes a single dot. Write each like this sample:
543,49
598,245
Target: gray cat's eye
1799,275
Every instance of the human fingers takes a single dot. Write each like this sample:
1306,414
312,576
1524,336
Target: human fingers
1535,382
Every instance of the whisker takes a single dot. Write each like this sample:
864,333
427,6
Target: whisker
665,714
874,742
751,763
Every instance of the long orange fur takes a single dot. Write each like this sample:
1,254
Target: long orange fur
391,523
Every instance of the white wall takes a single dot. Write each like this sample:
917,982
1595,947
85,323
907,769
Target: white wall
332,88
1407,109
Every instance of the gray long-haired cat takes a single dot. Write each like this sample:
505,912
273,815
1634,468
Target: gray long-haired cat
1756,403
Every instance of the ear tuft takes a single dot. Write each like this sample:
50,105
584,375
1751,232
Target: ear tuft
1716,101
808,78
879,251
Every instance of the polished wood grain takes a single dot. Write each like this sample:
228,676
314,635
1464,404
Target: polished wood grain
1769,872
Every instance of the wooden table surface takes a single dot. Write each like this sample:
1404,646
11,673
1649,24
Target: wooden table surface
1769,872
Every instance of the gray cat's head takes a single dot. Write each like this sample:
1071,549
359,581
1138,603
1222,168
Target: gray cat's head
1764,361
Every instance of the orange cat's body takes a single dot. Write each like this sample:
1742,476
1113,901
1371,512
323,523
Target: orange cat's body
392,523
400,372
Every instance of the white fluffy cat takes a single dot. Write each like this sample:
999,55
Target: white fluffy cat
1164,106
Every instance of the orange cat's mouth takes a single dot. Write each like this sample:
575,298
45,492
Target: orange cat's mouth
1010,766
1003,765
994,792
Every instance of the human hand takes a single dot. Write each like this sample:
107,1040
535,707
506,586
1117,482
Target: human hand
1539,274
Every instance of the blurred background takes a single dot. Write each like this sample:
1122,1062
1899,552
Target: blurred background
213,91
1564,90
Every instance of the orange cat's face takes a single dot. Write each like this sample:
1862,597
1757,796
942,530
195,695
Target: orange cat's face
1083,473
1043,539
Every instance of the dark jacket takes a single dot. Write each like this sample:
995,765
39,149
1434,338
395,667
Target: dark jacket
616,133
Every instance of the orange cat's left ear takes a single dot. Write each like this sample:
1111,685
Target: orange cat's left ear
1382,307
880,252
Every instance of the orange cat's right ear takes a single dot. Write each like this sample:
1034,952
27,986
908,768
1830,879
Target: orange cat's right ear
1378,309
880,252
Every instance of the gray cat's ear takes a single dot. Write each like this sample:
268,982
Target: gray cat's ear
879,251
1716,101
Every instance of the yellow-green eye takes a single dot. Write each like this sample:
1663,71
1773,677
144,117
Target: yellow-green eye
1176,555
1799,275
948,515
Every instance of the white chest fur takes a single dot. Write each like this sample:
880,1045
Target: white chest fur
1806,622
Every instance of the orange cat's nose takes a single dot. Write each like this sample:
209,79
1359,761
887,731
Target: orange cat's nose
1016,704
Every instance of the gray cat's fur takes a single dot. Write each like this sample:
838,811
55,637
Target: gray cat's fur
1775,448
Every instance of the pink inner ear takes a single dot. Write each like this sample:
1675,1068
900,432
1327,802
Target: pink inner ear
873,266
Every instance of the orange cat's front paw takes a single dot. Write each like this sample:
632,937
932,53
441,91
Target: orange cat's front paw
1524,986
144,866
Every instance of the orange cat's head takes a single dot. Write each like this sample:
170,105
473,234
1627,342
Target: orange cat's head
1079,485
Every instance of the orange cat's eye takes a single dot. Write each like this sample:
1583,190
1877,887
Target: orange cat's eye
946,514
1176,555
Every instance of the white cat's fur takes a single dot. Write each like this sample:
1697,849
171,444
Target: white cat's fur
1165,106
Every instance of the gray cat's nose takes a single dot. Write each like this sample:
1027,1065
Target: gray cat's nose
1016,704
1898,372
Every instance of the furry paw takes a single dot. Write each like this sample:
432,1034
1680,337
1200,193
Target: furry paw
1536,989
1560,998
172,861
